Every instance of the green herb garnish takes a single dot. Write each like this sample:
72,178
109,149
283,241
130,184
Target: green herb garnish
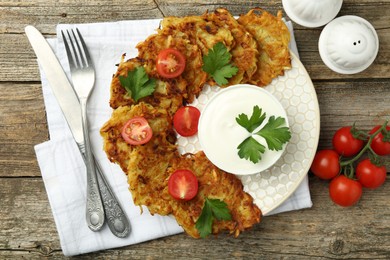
252,123
274,133
138,84
212,209
217,64
250,149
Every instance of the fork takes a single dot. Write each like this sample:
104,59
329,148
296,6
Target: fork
83,77
81,63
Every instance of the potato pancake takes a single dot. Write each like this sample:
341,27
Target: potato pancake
273,37
204,31
118,151
215,184
148,180
200,31
193,74
169,94
244,51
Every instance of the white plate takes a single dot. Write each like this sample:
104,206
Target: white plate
296,93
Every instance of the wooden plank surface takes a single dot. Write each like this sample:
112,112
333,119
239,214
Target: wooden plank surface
18,61
27,229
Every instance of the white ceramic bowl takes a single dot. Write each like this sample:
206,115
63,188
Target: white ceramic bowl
219,133
349,44
312,13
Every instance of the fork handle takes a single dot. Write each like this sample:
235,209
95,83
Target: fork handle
95,210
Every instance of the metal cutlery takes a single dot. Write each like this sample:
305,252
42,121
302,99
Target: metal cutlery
83,77
70,106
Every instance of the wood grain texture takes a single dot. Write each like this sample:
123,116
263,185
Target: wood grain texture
23,125
27,229
325,230
17,61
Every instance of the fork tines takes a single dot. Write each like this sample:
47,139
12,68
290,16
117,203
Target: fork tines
79,57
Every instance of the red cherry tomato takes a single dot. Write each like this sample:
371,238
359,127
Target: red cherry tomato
186,120
137,131
345,144
370,175
183,185
345,191
326,164
170,63
378,145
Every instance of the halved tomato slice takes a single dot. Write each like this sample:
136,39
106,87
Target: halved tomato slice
186,120
170,63
183,185
137,131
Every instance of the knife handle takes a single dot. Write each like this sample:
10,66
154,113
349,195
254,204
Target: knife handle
115,216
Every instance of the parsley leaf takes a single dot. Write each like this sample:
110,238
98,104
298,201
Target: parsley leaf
251,149
274,134
212,209
255,121
138,84
216,64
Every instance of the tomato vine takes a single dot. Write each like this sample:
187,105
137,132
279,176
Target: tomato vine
347,165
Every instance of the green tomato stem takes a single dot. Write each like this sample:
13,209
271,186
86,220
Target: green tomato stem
348,163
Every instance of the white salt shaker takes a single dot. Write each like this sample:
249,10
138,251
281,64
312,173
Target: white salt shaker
348,45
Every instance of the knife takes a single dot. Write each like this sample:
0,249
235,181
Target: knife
67,99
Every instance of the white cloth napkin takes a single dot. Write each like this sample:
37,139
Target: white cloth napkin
62,167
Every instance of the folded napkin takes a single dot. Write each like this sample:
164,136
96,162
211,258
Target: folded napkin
61,164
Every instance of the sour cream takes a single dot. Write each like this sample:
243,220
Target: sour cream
219,133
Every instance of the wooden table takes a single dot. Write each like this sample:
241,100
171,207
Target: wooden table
27,228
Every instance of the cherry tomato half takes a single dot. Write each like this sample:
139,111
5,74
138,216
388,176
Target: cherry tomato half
170,63
137,131
186,120
183,185
326,164
370,175
380,147
345,191
345,144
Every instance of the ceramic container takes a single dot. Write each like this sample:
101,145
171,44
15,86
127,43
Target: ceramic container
348,44
312,13
220,134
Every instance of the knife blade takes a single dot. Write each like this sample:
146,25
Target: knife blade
70,106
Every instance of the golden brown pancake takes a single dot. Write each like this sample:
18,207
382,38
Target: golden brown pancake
272,37
169,94
118,151
193,76
203,31
244,51
148,180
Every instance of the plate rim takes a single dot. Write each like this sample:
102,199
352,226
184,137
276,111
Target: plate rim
316,141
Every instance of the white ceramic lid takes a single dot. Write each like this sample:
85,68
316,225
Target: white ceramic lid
312,13
348,44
